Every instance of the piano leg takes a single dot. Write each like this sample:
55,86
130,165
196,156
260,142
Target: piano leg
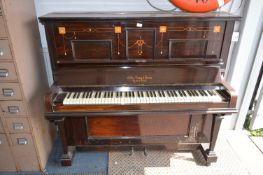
68,151
208,151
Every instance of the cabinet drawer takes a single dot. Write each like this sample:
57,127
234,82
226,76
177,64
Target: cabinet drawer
18,125
24,152
5,52
13,108
6,158
7,71
10,91
1,126
2,28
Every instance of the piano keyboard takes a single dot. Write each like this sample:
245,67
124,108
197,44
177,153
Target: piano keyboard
139,97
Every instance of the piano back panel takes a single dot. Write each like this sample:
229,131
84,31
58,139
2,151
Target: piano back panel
136,75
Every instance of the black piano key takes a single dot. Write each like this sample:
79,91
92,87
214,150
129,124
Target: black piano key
204,92
142,94
154,94
139,94
133,94
108,95
69,94
209,91
168,92
200,92
74,94
171,93
86,94
189,93
175,94
163,94
197,94
146,93
193,93
180,93
185,93
150,94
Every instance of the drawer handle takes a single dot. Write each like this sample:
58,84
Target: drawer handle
3,73
18,126
1,52
13,109
0,142
22,141
8,92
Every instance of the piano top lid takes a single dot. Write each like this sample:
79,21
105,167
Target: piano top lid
175,15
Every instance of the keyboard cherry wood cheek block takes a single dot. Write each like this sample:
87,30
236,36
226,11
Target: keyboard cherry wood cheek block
139,80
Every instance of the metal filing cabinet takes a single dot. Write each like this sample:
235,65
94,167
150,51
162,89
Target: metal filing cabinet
25,140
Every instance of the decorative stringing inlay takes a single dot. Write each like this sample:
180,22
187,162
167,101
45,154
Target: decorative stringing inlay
69,34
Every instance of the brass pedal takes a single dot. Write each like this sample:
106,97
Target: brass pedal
132,151
145,152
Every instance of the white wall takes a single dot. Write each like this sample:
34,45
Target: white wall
243,59
239,62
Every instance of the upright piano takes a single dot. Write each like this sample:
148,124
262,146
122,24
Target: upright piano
138,80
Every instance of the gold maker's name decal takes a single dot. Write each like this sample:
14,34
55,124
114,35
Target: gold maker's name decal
139,79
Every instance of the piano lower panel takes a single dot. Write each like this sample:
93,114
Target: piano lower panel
138,125
134,129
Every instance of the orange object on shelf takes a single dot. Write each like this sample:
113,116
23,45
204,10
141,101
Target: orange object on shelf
199,6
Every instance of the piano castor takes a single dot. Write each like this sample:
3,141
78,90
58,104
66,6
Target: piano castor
138,80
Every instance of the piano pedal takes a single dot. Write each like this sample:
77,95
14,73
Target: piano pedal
132,151
145,152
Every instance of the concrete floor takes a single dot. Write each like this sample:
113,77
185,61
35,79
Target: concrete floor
237,155
248,153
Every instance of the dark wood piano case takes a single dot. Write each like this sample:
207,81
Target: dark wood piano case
138,50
